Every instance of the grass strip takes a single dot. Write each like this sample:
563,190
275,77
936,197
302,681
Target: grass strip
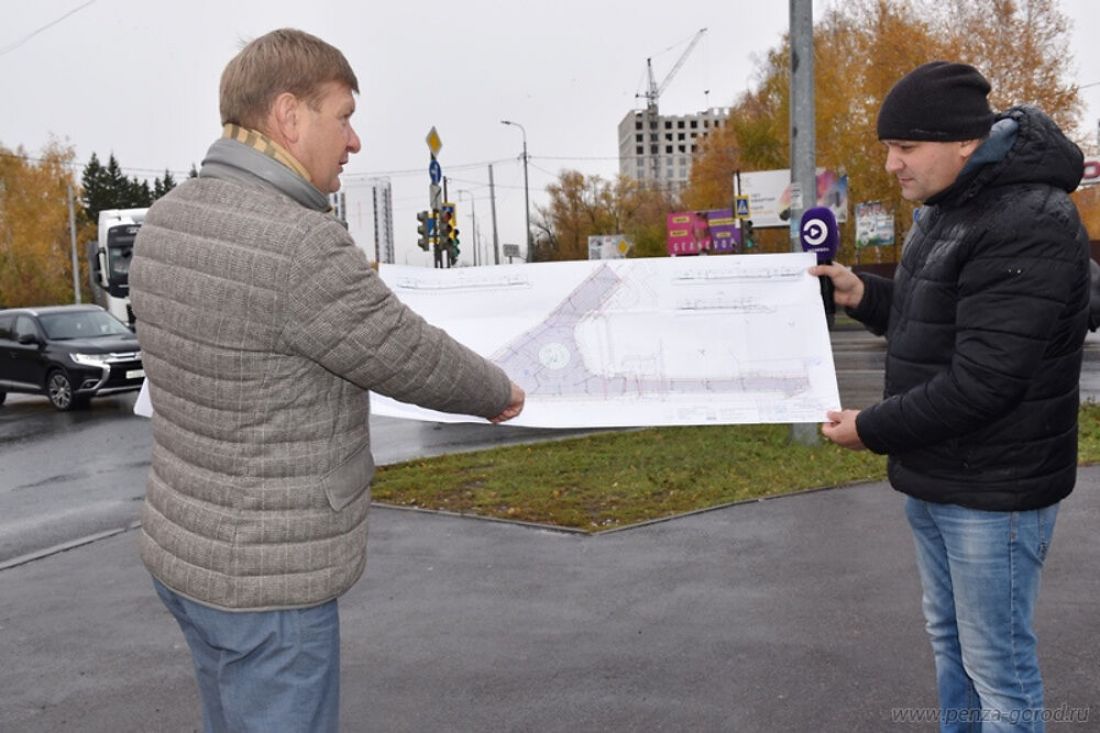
614,479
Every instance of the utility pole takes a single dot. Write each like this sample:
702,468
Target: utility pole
803,163
473,230
526,185
72,244
493,209
473,220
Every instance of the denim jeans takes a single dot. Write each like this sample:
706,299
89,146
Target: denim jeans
270,671
980,573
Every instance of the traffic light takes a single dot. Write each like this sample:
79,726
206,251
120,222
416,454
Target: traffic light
746,234
446,223
426,229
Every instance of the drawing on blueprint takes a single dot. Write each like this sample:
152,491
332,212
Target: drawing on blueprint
733,339
549,360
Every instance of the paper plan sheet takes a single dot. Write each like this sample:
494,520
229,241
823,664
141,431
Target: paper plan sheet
632,342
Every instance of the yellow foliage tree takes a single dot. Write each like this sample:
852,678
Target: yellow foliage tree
1022,47
35,254
1088,204
581,206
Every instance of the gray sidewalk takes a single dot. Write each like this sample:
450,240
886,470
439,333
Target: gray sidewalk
798,613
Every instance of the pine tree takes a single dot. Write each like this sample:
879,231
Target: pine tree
117,184
138,195
97,194
108,188
161,187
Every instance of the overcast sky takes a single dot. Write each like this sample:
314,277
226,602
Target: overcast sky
139,78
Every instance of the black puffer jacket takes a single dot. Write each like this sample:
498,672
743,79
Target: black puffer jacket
985,321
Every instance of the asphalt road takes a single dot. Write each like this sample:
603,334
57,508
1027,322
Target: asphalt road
68,478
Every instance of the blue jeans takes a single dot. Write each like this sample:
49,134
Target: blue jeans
271,671
980,573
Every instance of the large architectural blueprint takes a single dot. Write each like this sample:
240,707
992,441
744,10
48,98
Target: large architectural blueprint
662,341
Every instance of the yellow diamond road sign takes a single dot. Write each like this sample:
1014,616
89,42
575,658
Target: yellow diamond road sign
434,143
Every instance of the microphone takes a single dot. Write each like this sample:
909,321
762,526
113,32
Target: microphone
819,233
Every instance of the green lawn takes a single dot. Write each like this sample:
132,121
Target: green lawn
620,478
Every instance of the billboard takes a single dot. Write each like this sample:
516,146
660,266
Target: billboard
702,232
1092,172
874,225
769,195
608,246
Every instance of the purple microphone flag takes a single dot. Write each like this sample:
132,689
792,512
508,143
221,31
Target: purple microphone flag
819,233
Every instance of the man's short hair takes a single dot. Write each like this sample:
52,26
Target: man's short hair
284,60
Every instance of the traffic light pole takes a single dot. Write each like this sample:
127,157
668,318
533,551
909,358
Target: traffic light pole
432,218
438,228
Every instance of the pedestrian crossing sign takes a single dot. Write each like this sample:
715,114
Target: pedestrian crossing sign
743,207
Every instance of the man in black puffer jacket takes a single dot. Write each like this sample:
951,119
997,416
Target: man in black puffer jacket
985,322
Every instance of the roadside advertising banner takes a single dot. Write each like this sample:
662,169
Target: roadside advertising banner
696,232
1092,172
769,195
874,225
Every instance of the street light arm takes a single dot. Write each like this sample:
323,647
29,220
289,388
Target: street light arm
526,185
523,131
509,122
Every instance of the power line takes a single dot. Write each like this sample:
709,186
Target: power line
349,179
540,168
420,171
572,157
77,165
12,46
398,173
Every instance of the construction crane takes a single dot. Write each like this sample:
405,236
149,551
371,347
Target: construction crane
654,91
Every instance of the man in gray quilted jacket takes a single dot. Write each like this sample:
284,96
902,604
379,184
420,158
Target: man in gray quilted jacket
263,327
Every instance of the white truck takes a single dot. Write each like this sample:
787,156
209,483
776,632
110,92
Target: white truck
109,260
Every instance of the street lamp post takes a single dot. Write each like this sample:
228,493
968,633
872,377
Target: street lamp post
526,188
473,222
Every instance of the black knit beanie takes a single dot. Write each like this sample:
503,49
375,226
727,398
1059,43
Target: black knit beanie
938,101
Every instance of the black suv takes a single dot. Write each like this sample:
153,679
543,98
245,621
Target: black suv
70,353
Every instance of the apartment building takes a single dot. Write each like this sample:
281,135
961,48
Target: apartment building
659,148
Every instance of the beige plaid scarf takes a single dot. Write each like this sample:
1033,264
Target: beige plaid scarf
264,144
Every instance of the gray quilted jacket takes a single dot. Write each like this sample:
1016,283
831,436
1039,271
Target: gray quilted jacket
262,327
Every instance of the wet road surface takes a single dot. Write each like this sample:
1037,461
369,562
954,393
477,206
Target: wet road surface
66,478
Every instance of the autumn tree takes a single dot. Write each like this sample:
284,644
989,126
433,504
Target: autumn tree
643,211
35,245
581,206
1022,47
1088,203
861,48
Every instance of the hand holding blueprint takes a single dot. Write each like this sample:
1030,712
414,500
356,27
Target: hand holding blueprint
617,343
